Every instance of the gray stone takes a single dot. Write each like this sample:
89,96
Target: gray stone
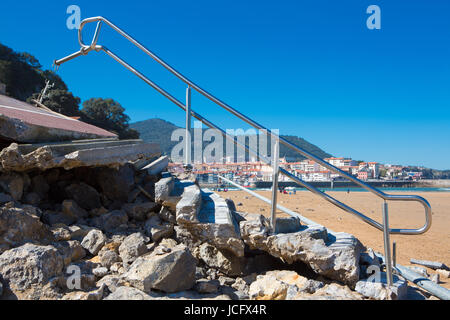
85,195
311,286
70,251
133,247
79,231
128,293
112,282
163,188
167,215
207,286
336,258
221,260
94,241
140,211
20,225
287,225
108,258
158,229
100,272
73,211
208,218
12,183
29,265
188,207
170,272
111,220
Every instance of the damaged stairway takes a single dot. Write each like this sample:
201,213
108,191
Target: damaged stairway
332,251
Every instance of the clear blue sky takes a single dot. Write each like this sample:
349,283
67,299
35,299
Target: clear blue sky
308,68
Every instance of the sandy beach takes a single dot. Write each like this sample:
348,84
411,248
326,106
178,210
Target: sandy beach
434,245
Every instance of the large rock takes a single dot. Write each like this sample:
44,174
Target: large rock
140,211
158,229
223,261
128,293
94,241
71,209
20,225
188,207
134,246
223,234
30,265
335,256
163,188
85,195
108,257
116,184
12,183
111,220
70,251
268,288
169,272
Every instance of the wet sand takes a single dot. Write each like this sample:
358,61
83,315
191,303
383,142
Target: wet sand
434,245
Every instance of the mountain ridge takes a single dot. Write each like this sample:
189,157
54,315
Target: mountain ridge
159,131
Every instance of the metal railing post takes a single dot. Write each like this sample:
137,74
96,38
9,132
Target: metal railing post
394,255
275,166
187,158
387,244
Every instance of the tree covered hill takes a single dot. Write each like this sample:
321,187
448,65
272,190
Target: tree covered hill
24,78
160,131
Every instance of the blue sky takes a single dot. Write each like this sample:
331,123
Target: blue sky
308,68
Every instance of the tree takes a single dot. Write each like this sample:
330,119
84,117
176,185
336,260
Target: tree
61,101
20,72
109,115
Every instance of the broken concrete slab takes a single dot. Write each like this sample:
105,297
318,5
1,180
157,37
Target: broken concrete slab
334,256
207,216
157,166
86,155
22,122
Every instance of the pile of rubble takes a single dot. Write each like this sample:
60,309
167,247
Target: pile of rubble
102,220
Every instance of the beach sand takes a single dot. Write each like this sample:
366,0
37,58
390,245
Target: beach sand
434,245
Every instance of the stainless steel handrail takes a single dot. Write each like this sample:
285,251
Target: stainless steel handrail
85,49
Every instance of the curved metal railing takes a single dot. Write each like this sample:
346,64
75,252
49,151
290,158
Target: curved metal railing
85,49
